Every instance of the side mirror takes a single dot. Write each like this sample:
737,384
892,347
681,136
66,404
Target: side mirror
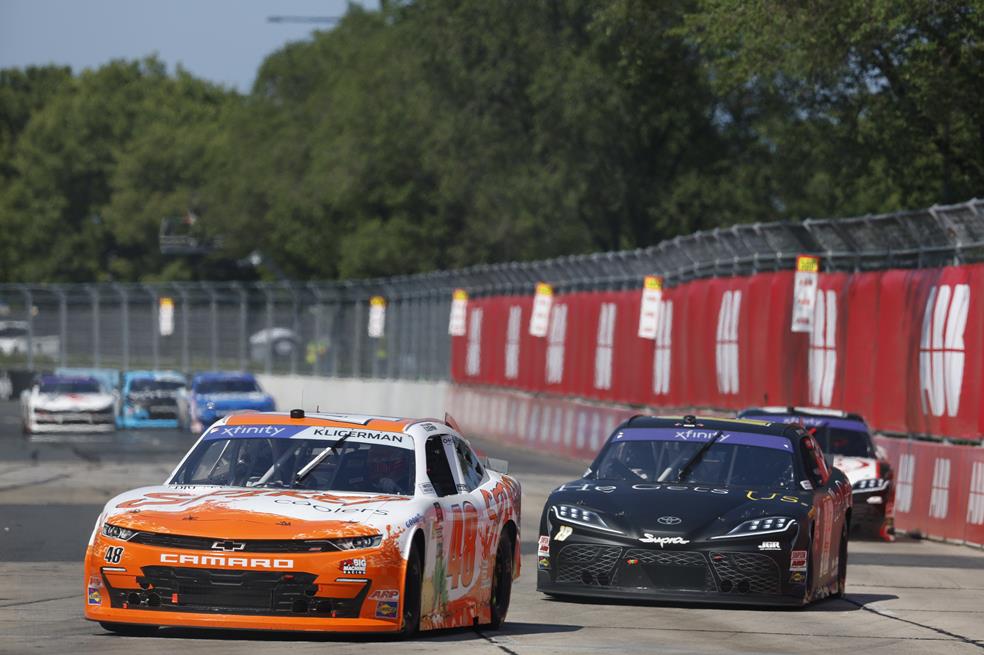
499,465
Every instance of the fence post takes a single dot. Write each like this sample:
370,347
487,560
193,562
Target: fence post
125,319
213,316
243,319
268,351
185,358
96,358
155,328
357,343
29,316
62,326
296,328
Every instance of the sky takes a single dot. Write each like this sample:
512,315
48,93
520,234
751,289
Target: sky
223,41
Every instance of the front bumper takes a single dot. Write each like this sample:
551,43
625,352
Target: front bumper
75,422
228,590
705,572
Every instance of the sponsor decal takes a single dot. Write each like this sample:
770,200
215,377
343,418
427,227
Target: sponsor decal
563,533
669,520
386,609
246,430
726,352
359,434
769,545
543,563
940,494
648,538
797,560
92,592
114,554
797,578
428,427
543,547
941,349
354,566
222,560
642,486
751,495
605,346
385,594
333,510
473,356
414,520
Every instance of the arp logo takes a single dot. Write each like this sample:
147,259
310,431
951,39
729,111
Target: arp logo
605,346
823,348
941,349
512,342
726,353
473,359
555,343
662,350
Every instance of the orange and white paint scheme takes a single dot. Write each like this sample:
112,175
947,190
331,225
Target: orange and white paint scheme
316,522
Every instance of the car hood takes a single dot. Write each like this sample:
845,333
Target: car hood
241,513
857,468
686,510
253,400
73,401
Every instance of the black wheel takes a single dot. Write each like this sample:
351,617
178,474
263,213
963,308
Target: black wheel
411,593
129,629
842,563
502,577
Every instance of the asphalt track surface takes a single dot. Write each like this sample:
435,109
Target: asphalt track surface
905,597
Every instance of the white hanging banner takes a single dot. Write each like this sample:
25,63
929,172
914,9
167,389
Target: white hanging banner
459,310
165,315
377,316
652,300
540,318
805,292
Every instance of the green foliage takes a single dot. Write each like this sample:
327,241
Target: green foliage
444,133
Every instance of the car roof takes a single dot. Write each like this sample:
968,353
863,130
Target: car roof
224,375
816,412
708,422
67,378
153,374
328,419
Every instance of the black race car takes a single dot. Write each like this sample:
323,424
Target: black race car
700,509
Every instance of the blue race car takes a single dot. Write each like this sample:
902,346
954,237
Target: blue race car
150,399
214,395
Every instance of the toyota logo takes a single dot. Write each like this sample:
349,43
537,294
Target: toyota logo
668,520
228,545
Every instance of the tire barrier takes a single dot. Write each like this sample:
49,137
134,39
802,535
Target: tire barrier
904,348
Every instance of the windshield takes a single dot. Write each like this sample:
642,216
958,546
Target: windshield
735,460
262,462
70,386
150,384
840,441
227,385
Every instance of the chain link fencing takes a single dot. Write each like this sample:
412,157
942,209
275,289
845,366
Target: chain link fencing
321,328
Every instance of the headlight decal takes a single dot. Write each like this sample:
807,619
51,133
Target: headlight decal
583,517
116,532
759,526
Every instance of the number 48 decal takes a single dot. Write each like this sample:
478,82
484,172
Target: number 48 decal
113,554
461,558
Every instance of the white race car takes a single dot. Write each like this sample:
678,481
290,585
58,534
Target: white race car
60,403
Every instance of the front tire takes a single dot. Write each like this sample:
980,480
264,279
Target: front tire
129,629
502,577
411,594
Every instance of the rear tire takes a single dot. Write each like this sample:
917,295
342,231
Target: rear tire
129,629
412,586
502,577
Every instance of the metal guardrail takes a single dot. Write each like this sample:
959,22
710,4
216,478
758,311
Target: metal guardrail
320,328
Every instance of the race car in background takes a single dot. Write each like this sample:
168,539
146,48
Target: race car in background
311,522
846,440
697,509
62,403
150,399
212,396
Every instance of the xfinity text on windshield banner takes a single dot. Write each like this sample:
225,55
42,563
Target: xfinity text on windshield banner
701,436
328,433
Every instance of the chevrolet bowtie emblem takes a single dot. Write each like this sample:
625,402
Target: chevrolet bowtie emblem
228,545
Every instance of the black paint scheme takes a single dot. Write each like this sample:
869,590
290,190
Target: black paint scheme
669,540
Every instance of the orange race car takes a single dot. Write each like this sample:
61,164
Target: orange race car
312,522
